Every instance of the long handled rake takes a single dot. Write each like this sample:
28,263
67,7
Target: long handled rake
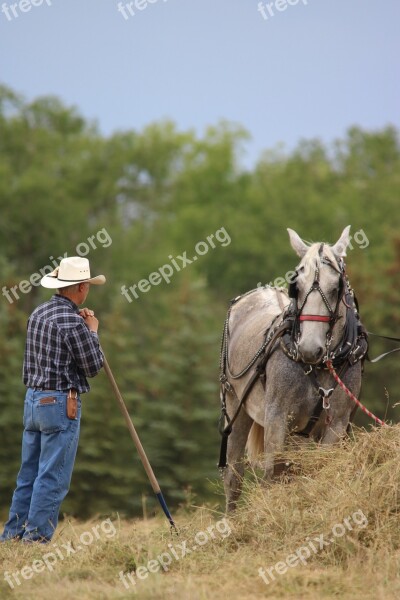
138,444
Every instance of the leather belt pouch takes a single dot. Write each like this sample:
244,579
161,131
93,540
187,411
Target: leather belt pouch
72,404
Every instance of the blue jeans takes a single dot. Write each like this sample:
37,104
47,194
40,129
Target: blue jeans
49,445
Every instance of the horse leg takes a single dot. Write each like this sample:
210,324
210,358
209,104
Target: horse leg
336,430
274,437
350,423
233,475
345,411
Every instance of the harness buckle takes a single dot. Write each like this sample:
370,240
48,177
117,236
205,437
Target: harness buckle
228,386
325,395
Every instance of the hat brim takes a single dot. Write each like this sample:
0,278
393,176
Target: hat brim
53,283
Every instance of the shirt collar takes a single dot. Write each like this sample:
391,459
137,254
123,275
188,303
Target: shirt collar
67,301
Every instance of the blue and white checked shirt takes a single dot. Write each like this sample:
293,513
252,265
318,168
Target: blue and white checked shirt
60,351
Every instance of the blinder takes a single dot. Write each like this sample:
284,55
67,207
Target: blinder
293,291
341,287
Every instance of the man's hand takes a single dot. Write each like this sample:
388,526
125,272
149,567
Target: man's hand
90,319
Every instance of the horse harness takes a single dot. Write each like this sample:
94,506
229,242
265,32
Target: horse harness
285,328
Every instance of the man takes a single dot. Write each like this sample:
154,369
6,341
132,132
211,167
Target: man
62,350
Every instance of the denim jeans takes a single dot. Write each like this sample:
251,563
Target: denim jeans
49,445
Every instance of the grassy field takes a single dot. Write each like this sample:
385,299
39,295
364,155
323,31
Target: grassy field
331,530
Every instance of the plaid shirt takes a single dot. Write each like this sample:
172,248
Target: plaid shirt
60,350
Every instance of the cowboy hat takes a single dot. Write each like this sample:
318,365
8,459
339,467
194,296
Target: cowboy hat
71,270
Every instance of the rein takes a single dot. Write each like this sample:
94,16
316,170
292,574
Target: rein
383,337
351,395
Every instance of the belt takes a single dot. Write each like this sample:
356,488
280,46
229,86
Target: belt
38,389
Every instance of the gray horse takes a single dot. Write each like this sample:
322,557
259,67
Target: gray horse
292,392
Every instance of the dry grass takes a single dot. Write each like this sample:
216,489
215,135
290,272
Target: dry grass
327,486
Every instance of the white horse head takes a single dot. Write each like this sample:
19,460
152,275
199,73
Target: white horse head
318,293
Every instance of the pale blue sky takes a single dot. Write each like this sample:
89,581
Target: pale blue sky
311,70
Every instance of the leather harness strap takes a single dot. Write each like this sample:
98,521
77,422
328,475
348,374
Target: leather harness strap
226,387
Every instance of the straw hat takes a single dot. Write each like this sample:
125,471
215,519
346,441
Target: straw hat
71,270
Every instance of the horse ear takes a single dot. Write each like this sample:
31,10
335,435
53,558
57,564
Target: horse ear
297,243
339,249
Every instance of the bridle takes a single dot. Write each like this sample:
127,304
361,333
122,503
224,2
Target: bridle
333,315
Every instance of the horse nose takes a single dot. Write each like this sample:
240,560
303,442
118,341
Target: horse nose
311,356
